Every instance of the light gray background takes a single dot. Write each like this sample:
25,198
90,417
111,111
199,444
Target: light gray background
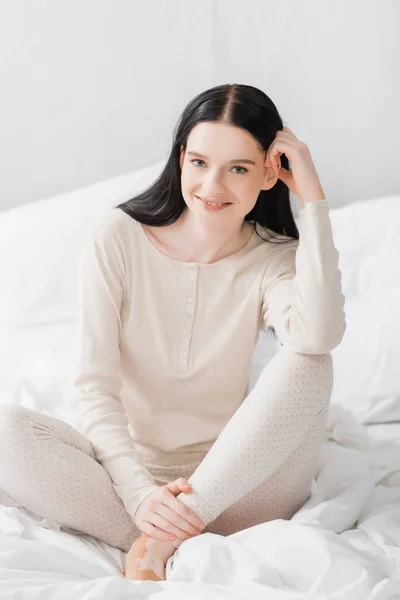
91,89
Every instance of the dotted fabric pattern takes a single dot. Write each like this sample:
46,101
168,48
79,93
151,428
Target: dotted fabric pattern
260,467
263,462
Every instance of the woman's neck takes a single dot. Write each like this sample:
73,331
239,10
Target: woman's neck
186,241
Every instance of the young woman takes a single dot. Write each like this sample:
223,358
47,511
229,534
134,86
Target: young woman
175,286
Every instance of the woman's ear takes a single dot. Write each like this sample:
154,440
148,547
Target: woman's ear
270,178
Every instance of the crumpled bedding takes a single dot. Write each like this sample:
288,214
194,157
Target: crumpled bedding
344,542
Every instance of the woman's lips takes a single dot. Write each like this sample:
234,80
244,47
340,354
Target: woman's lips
211,202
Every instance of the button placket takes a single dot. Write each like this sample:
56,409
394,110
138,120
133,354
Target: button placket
190,305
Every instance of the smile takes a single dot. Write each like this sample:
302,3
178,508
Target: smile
213,203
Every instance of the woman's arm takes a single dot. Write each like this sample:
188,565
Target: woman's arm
302,297
97,383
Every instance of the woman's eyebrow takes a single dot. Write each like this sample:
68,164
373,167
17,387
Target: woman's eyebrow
242,160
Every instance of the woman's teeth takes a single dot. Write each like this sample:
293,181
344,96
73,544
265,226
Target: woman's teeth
213,203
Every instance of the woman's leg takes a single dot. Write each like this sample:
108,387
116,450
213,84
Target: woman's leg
263,462
50,468
281,494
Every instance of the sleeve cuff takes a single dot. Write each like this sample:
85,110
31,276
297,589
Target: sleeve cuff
134,502
315,205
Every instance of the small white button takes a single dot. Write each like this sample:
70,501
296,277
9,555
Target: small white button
183,352
186,332
189,316
192,268
190,298
191,284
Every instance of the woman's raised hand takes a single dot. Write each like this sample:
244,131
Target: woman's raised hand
302,178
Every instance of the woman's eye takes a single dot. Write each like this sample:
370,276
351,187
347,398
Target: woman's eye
244,170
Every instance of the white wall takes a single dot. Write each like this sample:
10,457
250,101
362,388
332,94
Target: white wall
93,88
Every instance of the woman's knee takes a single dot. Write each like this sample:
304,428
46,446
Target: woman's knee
308,370
319,361
322,363
13,420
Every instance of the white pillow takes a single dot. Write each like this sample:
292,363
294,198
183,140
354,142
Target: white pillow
367,361
40,245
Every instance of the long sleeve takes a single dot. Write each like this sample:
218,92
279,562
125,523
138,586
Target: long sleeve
302,293
97,384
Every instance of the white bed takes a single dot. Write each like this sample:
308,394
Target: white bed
343,543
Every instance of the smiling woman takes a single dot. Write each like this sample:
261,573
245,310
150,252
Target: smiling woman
218,156
166,347
222,186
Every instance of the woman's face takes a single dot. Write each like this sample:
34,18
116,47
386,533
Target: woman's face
223,163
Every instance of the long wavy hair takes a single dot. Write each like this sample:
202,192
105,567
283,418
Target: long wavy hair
246,107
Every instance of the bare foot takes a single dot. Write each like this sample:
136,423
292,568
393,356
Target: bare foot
147,558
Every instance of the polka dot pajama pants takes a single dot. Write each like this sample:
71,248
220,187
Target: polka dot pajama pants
259,468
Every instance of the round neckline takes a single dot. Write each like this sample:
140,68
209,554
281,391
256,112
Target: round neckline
158,252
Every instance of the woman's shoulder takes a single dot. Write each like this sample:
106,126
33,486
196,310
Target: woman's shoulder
112,225
110,239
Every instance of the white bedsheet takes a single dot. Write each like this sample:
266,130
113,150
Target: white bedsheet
343,543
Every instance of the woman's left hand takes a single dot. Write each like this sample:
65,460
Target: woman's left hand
302,178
